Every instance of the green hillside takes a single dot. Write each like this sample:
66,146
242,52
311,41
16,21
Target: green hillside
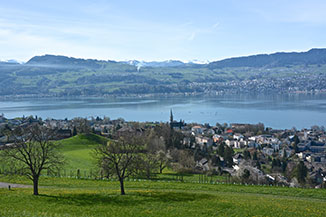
78,151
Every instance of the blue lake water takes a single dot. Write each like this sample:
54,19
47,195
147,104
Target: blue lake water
277,111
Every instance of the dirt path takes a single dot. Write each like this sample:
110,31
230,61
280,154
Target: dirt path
5,185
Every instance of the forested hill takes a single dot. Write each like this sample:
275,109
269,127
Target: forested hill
313,56
51,75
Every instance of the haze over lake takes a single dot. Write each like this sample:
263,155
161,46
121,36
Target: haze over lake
277,111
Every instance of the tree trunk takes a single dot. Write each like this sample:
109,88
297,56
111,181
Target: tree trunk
148,173
161,169
35,185
122,186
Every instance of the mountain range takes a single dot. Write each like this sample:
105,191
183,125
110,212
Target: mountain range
51,75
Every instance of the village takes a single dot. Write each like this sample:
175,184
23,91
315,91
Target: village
247,153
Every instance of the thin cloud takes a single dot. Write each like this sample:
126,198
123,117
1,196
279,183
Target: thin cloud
215,25
192,36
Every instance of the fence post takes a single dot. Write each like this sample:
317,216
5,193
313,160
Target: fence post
78,174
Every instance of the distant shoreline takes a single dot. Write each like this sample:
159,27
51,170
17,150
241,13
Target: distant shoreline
145,96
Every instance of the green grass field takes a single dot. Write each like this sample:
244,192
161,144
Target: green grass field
78,151
72,197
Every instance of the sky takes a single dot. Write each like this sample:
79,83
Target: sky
159,30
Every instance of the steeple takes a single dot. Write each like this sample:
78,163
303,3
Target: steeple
171,116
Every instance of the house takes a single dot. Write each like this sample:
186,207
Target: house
3,140
322,139
303,155
268,151
317,176
202,164
252,138
229,131
287,152
236,144
197,130
204,141
317,149
238,136
243,143
217,138
237,158
229,143
275,146
187,142
303,146
252,144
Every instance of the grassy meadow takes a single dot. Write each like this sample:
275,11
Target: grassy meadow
73,197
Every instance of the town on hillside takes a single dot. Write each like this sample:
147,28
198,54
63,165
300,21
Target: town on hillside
247,153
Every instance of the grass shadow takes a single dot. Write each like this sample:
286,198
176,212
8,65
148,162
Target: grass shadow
132,198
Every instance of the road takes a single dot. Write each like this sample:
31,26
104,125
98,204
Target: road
5,185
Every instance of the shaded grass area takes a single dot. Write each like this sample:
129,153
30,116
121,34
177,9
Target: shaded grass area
69,183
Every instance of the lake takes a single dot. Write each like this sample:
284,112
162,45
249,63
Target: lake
277,111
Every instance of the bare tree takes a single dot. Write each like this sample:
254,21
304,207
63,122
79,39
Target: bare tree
32,152
163,160
155,158
183,161
121,157
81,125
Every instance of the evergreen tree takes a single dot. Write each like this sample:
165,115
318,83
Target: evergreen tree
216,160
221,149
284,165
246,154
284,154
301,172
258,165
296,139
295,147
274,163
228,156
74,131
254,156
278,162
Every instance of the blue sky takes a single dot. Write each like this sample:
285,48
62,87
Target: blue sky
159,30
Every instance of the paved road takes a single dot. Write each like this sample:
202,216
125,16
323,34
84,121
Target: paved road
5,185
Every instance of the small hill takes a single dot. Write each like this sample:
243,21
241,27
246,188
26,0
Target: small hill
78,151
64,62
